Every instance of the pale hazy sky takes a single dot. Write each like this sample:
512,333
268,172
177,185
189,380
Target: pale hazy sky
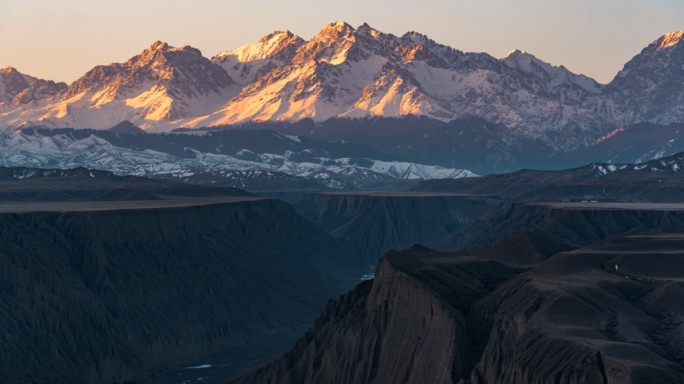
62,39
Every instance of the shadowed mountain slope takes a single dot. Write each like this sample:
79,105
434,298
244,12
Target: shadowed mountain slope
19,184
624,181
115,291
579,223
476,317
372,223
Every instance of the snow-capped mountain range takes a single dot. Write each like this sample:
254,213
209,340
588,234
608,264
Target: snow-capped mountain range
220,154
354,72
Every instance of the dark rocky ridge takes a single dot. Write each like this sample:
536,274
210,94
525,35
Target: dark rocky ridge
478,317
372,223
579,223
39,90
20,184
638,180
13,83
126,127
484,147
121,295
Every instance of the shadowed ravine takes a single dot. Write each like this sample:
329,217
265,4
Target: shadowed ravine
123,295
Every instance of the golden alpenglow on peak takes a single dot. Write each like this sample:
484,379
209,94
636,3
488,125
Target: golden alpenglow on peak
158,45
670,39
516,51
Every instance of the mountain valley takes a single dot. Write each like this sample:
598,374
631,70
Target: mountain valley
98,265
267,269
179,218
372,223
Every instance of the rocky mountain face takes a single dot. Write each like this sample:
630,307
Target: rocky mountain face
39,90
362,72
253,61
527,310
162,84
651,86
351,72
12,82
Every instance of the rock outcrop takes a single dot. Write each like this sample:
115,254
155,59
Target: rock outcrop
39,90
12,82
479,317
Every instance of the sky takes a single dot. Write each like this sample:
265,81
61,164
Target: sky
62,39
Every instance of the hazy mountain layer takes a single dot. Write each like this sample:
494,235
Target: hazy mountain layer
210,157
666,172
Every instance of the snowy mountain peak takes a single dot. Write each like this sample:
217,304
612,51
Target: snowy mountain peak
366,29
268,47
160,85
650,87
12,82
354,72
330,45
253,61
552,75
274,43
161,48
521,60
669,39
335,31
39,90
516,52
9,71
415,38
341,25
182,72
158,46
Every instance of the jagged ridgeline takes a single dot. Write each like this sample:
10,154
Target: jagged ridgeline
357,72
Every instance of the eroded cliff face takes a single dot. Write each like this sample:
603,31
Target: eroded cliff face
371,224
475,317
117,296
409,325
607,313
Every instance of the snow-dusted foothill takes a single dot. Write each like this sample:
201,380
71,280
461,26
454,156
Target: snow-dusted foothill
181,156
